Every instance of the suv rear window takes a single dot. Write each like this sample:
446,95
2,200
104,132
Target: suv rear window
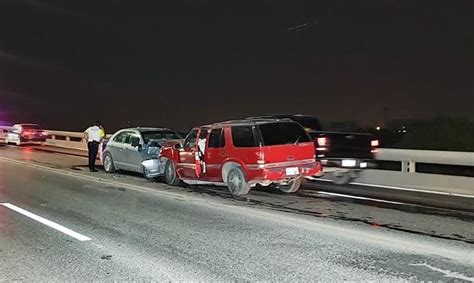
242,136
282,133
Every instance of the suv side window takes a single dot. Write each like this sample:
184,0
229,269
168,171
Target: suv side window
190,141
216,139
242,136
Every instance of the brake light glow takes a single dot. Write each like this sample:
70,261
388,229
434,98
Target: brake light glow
374,143
322,141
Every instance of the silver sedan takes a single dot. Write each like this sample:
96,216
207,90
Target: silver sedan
137,150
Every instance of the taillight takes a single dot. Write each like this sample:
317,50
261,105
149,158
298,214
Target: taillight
374,143
322,141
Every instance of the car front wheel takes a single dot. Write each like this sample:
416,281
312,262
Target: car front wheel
147,175
109,164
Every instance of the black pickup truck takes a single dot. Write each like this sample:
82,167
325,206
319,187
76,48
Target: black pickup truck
342,154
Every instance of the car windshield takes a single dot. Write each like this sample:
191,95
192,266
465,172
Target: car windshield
31,127
160,135
282,133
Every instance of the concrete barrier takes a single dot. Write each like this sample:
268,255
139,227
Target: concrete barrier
63,139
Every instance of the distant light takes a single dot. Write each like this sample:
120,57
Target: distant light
378,128
374,142
404,131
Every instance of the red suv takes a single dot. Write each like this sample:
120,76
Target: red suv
242,154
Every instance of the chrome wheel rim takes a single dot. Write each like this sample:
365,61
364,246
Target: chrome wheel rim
107,163
235,181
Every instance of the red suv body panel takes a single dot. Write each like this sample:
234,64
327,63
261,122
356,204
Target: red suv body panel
261,164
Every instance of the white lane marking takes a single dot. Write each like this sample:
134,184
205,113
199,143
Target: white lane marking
47,222
447,273
362,198
397,188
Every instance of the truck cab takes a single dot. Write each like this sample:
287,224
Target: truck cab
343,154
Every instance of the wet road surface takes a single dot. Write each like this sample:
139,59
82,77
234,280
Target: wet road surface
143,231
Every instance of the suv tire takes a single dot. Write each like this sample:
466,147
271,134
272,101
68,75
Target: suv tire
236,182
170,176
292,187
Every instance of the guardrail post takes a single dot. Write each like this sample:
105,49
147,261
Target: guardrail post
409,166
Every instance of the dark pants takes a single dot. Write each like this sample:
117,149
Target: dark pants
93,148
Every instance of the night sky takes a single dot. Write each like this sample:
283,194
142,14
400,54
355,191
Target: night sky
66,63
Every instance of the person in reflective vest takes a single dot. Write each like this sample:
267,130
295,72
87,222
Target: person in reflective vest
103,143
93,136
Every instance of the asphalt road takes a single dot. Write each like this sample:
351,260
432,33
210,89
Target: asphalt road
149,231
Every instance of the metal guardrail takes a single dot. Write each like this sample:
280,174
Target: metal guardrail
410,157
407,177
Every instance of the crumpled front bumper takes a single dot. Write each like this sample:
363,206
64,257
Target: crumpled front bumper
154,167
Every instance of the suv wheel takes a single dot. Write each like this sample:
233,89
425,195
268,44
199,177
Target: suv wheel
171,177
292,187
238,185
109,164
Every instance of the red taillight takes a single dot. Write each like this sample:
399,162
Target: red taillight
374,143
322,141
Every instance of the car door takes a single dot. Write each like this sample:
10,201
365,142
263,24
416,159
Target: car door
116,148
133,152
187,160
215,154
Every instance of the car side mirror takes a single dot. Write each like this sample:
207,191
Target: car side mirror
135,141
178,146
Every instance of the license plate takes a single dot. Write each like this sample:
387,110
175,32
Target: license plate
292,171
348,163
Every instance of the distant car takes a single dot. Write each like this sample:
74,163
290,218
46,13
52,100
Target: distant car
128,149
242,154
21,134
